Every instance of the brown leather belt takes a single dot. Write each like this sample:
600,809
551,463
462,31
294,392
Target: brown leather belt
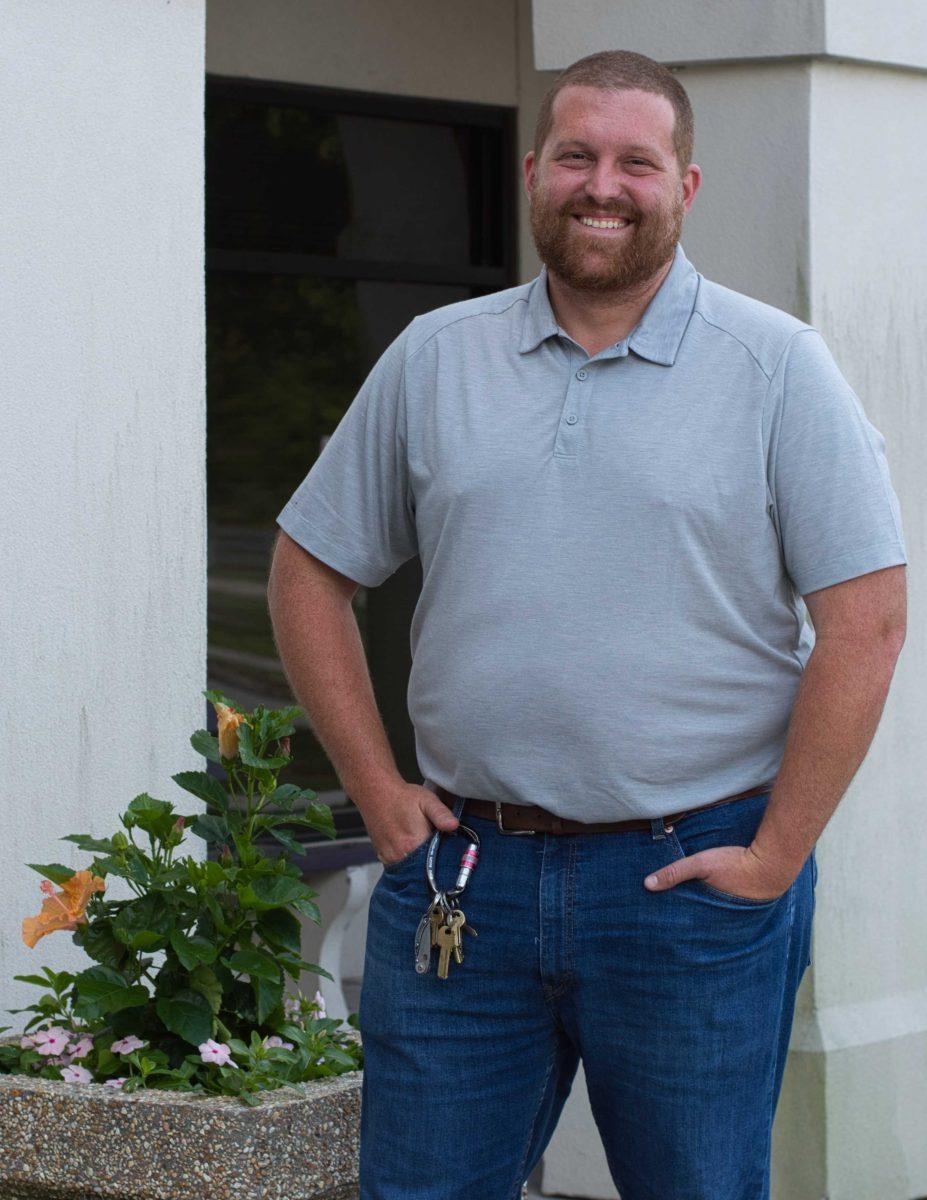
531,818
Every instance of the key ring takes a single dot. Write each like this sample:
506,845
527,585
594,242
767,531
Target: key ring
467,864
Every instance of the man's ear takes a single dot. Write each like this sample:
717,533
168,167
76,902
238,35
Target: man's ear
690,184
528,169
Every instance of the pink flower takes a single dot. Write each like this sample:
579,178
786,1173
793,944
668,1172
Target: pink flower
273,1040
76,1075
115,1083
319,1000
82,1047
127,1044
216,1052
290,1006
53,1040
27,1042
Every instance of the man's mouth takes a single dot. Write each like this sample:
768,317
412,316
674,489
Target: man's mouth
601,223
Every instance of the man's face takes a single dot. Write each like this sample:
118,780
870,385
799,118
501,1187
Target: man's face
608,155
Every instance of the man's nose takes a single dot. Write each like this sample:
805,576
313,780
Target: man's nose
605,186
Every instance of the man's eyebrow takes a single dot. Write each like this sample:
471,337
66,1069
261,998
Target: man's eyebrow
636,148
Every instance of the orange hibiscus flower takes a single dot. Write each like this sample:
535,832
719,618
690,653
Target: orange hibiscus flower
64,909
228,721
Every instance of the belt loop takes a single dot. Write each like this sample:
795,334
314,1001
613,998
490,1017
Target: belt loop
656,828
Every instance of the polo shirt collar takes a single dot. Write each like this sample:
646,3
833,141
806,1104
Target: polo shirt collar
656,336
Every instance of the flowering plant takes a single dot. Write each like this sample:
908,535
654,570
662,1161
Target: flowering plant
187,987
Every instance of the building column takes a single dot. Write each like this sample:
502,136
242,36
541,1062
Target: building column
103,487
809,131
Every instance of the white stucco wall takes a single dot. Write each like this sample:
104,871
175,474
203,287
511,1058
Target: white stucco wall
885,31
869,298
442,50
102,493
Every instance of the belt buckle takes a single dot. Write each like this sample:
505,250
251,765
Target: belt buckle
501,827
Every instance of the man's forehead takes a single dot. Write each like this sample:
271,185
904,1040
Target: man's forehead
639,120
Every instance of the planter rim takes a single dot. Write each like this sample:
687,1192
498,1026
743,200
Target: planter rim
291,1093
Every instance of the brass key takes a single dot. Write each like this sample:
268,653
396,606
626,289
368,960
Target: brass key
447,940
456,921
463,924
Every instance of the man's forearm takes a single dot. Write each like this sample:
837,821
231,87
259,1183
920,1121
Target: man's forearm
836,713
322,653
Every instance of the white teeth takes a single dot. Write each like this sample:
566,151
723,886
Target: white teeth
596,224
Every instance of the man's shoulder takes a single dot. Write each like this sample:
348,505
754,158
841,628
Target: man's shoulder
466,317
762,329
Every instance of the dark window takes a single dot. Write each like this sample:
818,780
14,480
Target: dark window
332,219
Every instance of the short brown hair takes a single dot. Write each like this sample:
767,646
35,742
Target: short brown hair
623,70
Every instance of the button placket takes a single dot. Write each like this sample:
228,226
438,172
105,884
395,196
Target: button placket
573,408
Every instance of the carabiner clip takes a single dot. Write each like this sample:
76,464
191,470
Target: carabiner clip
468,860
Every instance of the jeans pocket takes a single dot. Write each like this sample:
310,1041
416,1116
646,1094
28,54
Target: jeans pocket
407,859
732,824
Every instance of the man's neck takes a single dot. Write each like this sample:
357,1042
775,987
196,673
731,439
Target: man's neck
596,320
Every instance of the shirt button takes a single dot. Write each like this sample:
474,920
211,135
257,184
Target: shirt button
572,419
581,374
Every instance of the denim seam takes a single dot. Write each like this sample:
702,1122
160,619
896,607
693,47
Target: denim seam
772,1078
569,957
542,1092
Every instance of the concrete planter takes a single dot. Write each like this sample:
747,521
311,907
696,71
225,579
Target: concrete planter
84,1141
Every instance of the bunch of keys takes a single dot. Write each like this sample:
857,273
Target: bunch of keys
444,920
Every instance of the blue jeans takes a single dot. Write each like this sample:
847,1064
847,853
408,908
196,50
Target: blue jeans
679,1004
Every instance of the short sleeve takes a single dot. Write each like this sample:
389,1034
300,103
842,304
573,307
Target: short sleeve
354,509
835,509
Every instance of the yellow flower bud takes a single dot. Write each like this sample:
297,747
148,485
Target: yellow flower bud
228,720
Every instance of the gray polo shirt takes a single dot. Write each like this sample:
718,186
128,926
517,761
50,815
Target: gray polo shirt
614,549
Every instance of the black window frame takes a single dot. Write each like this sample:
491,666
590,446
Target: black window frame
333,854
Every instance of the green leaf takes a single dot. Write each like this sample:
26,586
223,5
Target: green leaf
215,697
285,796
269,996
136,869
216,913
335,1054
98,941
281,928
145,923
308,909
192,949
286,959
205,787
211,828
318,816
38,980
271,891
254,962
86,842
101,990
287,840
248,755
207,744
153,816
204,981
317,970
188,1014
56,872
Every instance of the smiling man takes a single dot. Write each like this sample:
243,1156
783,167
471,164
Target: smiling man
627,485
